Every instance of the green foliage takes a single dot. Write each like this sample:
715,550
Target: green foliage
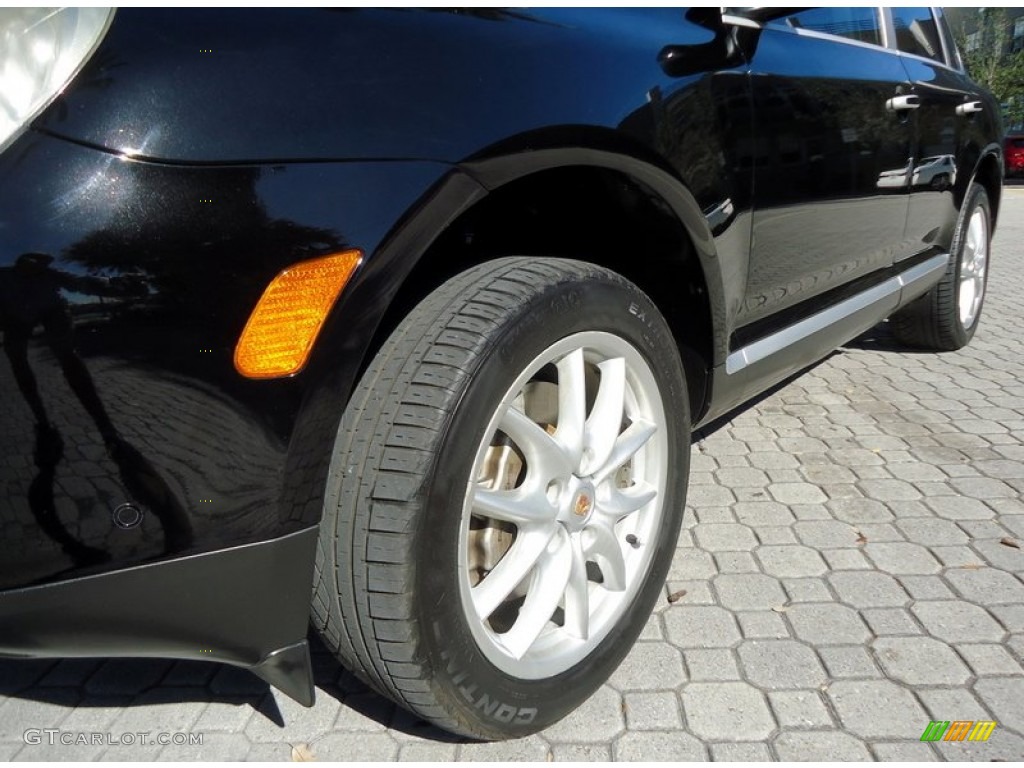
992,64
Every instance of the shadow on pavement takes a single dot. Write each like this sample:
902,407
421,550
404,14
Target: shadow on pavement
881,339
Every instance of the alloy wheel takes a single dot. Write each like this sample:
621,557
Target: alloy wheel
973,265
565,497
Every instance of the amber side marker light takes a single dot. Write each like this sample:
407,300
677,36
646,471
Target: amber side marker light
287,319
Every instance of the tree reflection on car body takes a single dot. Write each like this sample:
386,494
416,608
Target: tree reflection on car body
30,297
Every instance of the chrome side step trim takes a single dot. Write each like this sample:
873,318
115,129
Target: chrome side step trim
915,280
923,276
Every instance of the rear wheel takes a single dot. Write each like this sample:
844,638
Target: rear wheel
946,317
505,496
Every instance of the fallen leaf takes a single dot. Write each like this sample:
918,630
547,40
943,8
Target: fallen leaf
780,608
675,597
1006,541
550,756
971,566
861,538
301,753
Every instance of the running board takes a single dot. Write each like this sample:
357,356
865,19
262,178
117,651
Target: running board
904,286
760,365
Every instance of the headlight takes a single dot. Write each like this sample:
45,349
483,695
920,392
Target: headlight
41,49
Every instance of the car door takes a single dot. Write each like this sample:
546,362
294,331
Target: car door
832,166
951,118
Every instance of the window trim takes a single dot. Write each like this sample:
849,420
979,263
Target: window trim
887,29
938,17
948,59
880,15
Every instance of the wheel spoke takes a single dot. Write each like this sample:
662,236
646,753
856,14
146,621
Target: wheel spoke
623,501
514,506
605,550
542,452
972,238
511,570
967,296
572,406
626,445
978,230
605,420
577,593
545,592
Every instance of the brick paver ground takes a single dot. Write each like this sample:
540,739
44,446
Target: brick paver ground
848,570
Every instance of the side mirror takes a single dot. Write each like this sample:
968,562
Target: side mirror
736,31
688,59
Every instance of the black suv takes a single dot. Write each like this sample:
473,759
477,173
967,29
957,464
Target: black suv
415,311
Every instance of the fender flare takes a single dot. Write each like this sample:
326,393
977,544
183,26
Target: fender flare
356,319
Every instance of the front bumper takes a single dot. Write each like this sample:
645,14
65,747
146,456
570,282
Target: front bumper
118,386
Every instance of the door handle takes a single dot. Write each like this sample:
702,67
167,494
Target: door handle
970,107
900,103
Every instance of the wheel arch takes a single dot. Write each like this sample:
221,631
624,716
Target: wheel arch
589,204
427,246
989,173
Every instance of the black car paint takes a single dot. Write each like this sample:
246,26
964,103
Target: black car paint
160,357
201,151
941,131
203,238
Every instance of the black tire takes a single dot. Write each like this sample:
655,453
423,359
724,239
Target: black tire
933,321
386,593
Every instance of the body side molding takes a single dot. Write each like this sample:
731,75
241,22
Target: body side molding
761,364
908,284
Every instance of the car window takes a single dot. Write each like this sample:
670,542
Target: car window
916,32
859,24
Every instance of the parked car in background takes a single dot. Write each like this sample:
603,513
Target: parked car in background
408,316
1013,148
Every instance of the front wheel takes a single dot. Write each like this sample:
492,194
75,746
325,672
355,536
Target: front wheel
505,496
